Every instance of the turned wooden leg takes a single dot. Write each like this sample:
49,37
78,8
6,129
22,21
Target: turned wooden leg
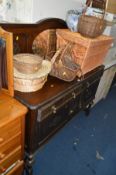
87,109
29,159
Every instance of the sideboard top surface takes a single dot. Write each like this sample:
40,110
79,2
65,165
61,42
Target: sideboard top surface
52,89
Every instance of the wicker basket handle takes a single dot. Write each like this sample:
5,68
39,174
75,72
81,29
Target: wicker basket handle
56,55
89,4
61,51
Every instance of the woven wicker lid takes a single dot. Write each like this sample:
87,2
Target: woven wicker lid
27,58
27,63
43,71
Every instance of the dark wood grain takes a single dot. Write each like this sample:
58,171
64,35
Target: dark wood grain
24,34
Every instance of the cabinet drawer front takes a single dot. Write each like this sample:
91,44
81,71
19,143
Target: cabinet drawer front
10,129
18,169
92,79
8,147
58,103
10,159
53,122
89,93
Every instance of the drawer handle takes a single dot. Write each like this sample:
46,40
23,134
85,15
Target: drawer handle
53,109
87,84
2,155
1,140
74,95
71,112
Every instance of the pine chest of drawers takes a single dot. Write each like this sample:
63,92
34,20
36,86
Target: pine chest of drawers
12,122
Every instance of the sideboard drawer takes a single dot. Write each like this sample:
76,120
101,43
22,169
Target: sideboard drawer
12,129
10,159
92,78
7,147
89,93
18,169
58,116
58,103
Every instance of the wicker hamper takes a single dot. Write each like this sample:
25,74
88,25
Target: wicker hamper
87,52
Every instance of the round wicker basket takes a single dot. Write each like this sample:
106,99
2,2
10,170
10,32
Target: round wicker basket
27,63
91,26
32,82
24,85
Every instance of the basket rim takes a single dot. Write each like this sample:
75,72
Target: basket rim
43,71
36,58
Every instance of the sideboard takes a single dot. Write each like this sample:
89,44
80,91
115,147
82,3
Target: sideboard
52,106
58,101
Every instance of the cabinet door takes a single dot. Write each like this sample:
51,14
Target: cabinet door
89,93
57,118
57,112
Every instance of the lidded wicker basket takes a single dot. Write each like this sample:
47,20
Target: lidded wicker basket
27,63
32,82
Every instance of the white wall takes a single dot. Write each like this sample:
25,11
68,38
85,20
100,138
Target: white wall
16,11
54,8
29,11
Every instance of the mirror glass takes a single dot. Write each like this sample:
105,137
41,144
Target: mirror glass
45,44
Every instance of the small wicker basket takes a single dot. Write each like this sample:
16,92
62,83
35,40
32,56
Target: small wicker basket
32,82
26,85
91,26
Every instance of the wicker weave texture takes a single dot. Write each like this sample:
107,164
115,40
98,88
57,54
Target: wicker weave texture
91,26
89,53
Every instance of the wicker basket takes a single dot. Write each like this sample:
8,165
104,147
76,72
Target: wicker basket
91,26
32,82
27,63
25,85
89,53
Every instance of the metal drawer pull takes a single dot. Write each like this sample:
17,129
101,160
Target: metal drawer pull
87,84
1,139
53,109
2,155
10,168
74,95
71,111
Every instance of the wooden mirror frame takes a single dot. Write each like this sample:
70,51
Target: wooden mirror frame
24,35
8,37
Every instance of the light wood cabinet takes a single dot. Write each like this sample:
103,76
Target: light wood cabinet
12,122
